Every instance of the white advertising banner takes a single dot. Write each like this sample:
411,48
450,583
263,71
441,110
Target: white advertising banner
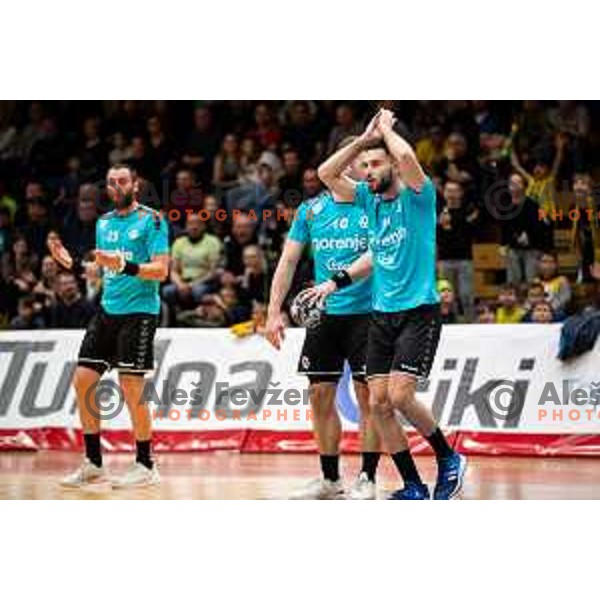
486,378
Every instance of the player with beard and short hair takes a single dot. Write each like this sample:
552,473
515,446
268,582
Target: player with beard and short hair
405,325
132,250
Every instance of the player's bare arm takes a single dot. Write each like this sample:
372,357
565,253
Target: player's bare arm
282,281
408,165
331,172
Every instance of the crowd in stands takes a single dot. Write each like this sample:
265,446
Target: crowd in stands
497,166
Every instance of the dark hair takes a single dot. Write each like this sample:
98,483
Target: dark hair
27,301
509,287
376,144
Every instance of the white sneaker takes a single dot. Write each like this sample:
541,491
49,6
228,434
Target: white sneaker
87,474
320,489
137,476
363,489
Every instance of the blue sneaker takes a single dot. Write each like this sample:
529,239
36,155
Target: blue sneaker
411,491
451,472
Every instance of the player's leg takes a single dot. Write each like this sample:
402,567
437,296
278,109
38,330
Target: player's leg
415,349
94,359
326,426
395,441
380,357
356,335
135,358
321,361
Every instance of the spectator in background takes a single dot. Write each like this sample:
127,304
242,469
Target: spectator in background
5,229
346,126
227,168
311,184
542,313
28,317
456,229
509,311
532,130
557,289
243,233
248,158
218,223
45,288
217,310
431,149
201,146
194,260
72,181
254,283
38,226
259,194
457,165
7,202
80,224
586,229
140,162
541,182
485,314
93,153
523,234
121,152
161,153
266,131
69,310
186,196
19,266
290,183
302,133
447,302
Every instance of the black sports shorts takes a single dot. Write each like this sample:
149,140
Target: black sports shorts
404,341
124,342
335,339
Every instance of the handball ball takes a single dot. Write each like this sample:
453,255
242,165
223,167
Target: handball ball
305,311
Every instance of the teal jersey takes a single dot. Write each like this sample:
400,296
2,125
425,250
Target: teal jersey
338,235
402,241
140,235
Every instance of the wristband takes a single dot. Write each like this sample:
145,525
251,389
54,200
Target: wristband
342,279
130,268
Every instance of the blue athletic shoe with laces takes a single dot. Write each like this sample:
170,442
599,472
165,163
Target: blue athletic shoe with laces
451,472
411,491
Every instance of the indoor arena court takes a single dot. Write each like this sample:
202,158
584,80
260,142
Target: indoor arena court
236,476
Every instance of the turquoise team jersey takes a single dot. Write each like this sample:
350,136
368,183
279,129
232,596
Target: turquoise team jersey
402,241
338,234
139,235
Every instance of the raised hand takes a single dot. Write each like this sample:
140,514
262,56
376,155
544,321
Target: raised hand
60,254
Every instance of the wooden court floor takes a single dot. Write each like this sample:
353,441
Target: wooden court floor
221,475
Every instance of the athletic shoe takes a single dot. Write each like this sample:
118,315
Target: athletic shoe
137,476
320,489
411,491
363,489
87,474
451,472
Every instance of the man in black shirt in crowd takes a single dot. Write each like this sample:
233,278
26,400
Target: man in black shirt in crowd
524,235
70,310
455,231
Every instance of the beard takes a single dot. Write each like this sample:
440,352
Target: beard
123,200
384,184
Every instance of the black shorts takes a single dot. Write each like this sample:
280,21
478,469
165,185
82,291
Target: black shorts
337,338
404,341
124,342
